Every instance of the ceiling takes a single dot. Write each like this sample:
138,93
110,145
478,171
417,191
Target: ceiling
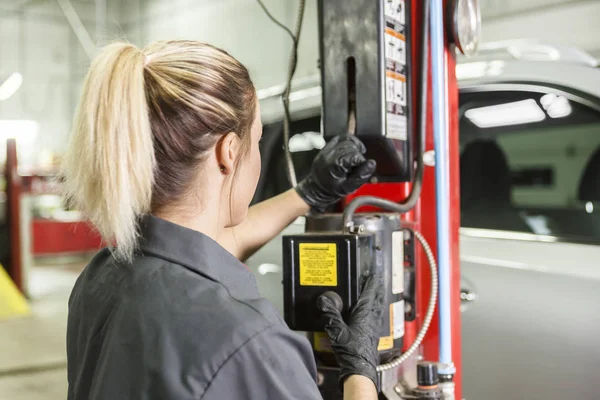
49,10
552,20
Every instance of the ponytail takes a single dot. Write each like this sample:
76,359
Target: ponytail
108,170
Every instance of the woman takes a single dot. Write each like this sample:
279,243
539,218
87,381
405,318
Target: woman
164,159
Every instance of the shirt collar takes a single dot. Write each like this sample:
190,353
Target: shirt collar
197,252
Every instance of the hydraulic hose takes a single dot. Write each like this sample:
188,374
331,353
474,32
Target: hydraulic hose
415,192
428,315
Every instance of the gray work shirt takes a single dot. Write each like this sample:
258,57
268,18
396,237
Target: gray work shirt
184,321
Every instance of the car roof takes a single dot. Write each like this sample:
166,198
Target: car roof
524,61
531,61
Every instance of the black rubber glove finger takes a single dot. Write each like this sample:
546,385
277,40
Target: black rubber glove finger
356,141
332,167
344,171
331,143
355,344
377,307
345,147
335,326
359,176
364,306
353,160
379,297
346,160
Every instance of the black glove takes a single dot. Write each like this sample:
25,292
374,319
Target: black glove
338,170
355,344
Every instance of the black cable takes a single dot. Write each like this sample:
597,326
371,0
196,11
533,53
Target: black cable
288,87
415,192
275,21
286,96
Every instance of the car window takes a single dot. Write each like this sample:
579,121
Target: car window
304,145
530,162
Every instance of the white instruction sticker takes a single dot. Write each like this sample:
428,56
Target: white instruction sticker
396,125
397,262
398,327
394,10
396,69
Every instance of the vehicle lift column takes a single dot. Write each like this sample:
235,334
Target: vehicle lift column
372,67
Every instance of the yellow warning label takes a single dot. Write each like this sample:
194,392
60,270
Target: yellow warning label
318,264
387,342
321,342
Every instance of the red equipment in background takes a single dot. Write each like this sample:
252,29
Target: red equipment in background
49,237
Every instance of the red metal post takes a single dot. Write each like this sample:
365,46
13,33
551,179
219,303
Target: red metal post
13,199
427,221
424,214
454,148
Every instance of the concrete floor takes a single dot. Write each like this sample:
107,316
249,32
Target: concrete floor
32,349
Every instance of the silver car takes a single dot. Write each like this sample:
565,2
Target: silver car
530,216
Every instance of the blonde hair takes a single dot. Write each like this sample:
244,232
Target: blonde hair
144,122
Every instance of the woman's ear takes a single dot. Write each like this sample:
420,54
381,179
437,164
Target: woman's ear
227,152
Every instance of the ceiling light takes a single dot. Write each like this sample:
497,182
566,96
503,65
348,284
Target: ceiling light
556,106
515,113
24,131
306,141
10,85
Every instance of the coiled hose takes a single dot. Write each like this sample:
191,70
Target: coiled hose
428,315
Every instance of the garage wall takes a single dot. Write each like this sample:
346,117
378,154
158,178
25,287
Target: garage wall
238,26
37,41
571,22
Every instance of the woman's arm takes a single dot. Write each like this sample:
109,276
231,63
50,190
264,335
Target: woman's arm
265,220
358,387
339,169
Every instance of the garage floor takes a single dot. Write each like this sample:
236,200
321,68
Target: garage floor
32,349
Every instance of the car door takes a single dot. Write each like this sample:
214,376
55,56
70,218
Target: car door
530,164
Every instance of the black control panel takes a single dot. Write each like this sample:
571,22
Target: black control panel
315,264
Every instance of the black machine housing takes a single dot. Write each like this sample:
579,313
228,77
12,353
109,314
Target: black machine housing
354,251
365,55
382,244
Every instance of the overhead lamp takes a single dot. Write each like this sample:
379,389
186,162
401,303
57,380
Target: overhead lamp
306,141
24,131
556,106
10,85
514,113
589,207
